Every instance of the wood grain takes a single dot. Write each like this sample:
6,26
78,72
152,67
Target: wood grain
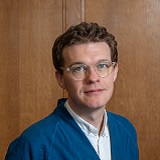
28,89
9,95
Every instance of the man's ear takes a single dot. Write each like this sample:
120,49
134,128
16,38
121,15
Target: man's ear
60,79
115,72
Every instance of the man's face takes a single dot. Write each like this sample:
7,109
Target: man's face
93,92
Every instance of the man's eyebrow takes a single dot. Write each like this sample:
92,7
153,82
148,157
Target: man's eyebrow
80,62
75,63
101,60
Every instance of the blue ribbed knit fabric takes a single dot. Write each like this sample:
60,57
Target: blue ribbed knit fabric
58,137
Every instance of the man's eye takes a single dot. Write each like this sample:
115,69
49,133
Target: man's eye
102,66
79,69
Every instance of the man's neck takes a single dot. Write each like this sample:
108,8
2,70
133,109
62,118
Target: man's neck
93,116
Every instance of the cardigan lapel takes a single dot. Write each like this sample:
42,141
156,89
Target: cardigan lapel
79,141
115,140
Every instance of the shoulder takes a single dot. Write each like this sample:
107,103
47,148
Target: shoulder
33,141
38,132
117,117
41,128
38,137
48,125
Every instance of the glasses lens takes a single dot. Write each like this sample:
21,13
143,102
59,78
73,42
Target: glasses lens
78,71
104,68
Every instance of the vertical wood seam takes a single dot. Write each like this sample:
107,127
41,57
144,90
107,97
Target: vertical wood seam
82,10
63,15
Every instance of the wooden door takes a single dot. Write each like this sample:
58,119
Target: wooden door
28,89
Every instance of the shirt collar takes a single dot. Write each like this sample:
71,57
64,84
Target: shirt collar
85,126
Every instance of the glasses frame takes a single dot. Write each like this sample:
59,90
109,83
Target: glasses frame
69,69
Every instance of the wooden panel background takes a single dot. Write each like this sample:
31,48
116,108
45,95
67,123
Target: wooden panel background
28,89
9,81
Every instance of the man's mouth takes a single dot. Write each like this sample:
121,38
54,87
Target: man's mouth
94,91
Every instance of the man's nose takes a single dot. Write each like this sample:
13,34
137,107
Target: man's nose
92,75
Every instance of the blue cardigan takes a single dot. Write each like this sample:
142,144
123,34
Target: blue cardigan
58,137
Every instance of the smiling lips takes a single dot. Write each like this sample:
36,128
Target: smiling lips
94,91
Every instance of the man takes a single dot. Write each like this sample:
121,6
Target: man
85,58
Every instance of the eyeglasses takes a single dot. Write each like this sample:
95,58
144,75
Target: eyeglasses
81,71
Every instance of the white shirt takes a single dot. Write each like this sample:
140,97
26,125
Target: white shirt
100,143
